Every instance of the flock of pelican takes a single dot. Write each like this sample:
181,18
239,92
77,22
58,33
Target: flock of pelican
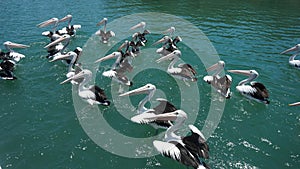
189,150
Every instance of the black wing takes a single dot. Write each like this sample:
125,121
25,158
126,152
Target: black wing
100,95
164,107
196,145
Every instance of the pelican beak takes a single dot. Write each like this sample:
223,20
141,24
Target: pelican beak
295,104
243,72
104,20
172,116
141,90
48,22
125,44
290,49
15,45
162,40
76,76
213,67
169,56
110,56
140,25
57,41
171,30
68,17
60,57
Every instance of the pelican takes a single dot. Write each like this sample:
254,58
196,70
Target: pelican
295,104
6,69
53,35
12,54
139,35
183,71
186,150
105,35
70,29
169,31
169,45
221,84
117,73
56,47
143,112
256,91
292,60
92,94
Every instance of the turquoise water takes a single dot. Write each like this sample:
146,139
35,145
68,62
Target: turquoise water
39,126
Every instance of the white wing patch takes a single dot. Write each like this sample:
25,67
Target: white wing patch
245,89
109,73
208,79
167,149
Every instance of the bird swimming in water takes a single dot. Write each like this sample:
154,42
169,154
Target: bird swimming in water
256,91
105,35
221,84
169,45
292,60
186,150
143,112
11,54
140,35
69,29
92,94
183,72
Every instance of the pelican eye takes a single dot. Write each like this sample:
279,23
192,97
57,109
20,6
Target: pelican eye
176,113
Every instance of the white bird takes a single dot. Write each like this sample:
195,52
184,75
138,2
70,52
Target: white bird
15,56
221,84
292,60
183,72
56,47
140,35
186,150
92,94
70,29
256,91
105,35
169,45
118,70
143,112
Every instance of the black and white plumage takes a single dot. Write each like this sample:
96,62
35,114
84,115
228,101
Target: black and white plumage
143,112
169,45
56,47
69,29
183,72
105,35
292,60
11,54
6,69
92,94
119,68
221,84
256,91
187,150
140,35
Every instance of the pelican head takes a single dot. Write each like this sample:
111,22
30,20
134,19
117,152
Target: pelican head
65,37
162,40
174,54
9,44
66,18
295,104
170,31
250,73
103,21
294,48
218,65
110,56
148,88
139,25
65,56
172,116
82,74
48,22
